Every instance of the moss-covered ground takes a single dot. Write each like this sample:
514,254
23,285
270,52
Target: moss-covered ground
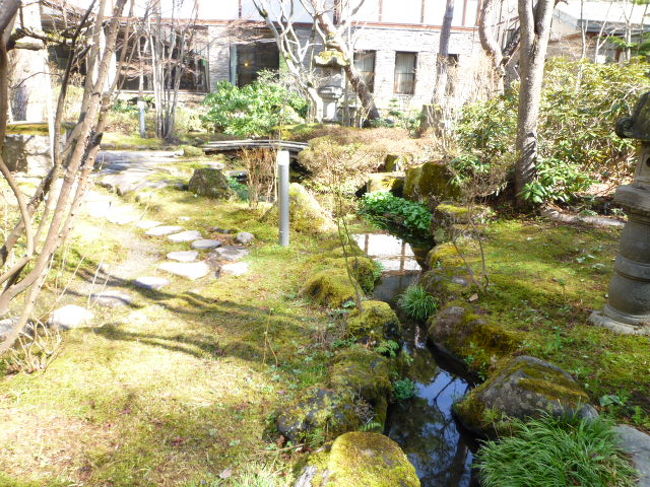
177,388
545,280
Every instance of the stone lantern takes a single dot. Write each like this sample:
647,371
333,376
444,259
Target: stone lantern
331,87
628,306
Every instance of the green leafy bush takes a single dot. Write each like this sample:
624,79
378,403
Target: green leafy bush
240,189
417,302
404,389
390,212
581,102
551,452
253,110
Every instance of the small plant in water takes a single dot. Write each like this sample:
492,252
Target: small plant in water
417,303
550,451
404,389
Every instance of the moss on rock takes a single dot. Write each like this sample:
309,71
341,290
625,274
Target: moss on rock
383,182
449,213
331,288
210,182
444,255
377,321
431,181
521,388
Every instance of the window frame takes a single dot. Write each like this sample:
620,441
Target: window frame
398,83
368,76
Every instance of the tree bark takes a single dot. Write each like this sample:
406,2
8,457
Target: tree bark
535,25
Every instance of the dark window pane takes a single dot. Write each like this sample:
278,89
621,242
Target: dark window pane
405,63
364,61
253,58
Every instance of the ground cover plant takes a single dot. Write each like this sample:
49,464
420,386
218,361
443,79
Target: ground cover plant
417,303
550,452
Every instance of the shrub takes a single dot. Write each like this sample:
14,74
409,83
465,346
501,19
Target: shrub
390,212
404,389
417,303
255,109
550,452
581,102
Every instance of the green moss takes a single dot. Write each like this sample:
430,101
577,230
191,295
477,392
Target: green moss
331,288
192,151
28,128
306,214
363,371
383,182
430,181
330,57
445,256
448,213
377,321
369,460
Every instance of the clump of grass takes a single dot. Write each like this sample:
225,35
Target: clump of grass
417,303
404,389
550,452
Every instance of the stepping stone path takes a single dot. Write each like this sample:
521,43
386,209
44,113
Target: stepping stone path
164,230
637,445
191,270
151,282
205,243
183,255
186,236
231,253
235,269
112,298
147,224
71,316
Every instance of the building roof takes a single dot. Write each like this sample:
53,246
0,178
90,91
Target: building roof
612,14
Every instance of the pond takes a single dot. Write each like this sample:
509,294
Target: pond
424,426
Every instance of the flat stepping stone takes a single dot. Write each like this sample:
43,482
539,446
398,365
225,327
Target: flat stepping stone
183,255
186,236
122,219
164,230
637,445
147,224
71,316
191,270
235,269
151,282
231,253
112,299
206,243
97,209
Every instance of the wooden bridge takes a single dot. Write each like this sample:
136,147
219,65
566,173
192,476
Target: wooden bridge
236,145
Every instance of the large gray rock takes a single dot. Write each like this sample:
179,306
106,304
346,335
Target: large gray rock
27,153
183,255
211,183
244,238
231,253
525,387
636,444
71,316
206,244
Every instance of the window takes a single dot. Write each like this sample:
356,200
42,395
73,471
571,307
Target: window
405,73
364,61
253,58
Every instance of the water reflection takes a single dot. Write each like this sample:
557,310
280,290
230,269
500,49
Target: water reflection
393,253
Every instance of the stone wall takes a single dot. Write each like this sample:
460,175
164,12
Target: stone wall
29,154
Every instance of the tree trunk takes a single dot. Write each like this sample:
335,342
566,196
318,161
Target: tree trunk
535,30
490,43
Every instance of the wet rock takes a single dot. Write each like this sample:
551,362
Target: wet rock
525,387
205,243
112,298
183,256
318,415
359,459
71,316
151,282
377,321
235,269
211,183
191,270
331,288
186,236
230,253
244,238
636,445
163,230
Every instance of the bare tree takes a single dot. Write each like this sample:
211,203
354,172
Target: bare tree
297,53
25,266
490,29
324,14
535,22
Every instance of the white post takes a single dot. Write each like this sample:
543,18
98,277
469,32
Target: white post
283,195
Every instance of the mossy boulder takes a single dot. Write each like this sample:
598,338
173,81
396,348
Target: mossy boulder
319,415
211,183
444,255
306,213
449,214
383,182
430,182
375,322
462,332
331,288
360,459
367,374
524,387
192,151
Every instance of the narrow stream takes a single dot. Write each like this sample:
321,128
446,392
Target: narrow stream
423,426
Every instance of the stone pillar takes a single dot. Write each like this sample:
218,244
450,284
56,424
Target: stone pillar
30,78
330,92
628,306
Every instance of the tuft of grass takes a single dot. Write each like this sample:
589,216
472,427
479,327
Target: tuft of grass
417,303
404,389
551,452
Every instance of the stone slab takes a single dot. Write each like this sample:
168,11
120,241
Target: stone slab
231,253
148,224
183,255
244,238
71,316
189,270
206,243
112,298
636,444
151,282
164,230
186,236
235,269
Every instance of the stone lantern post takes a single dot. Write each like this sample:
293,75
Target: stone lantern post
331,89
628,306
